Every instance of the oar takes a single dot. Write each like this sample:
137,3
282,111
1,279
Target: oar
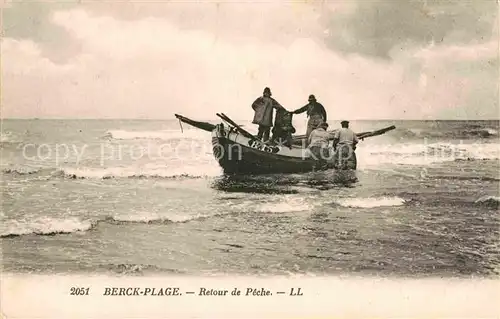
298,138
201,125
375,133
239,128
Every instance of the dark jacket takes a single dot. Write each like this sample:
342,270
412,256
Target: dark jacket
283,121
313,108
263,107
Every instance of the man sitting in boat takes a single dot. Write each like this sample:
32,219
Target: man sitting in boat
318,142
316,113
344,143
263,107
283,128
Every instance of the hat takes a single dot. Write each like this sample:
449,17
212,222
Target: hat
324,124
344,122
312,97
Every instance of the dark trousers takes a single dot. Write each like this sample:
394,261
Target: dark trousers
345,157
281,136
320,155
264,132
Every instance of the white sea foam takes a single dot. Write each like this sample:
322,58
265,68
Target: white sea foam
152,217
7,137
424,154
482,151
282,204
22,170
278,206
282,207
370,202
194,170
455,133
139,217
44,226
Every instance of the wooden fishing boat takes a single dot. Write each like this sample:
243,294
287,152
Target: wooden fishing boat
239,152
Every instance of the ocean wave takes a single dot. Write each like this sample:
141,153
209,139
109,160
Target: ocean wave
283,206
425,154
137,269
439,130
183,172
467,178
473,131
145,217
156,135
45,226
491,201
371,202
200,171
151,218
22,171
489,132
7,137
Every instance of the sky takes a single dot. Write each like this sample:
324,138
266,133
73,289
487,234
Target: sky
363,59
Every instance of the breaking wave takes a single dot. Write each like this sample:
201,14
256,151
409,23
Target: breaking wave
371,202
22,171
201,164
7,137
491,201
116,172
152,218
425,154
45,226
156,135
471,132
182,172
282,206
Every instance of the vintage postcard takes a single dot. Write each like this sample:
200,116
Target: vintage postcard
250,159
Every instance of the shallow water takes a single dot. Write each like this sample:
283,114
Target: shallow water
143,197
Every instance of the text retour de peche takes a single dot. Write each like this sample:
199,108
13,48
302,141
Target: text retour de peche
248,292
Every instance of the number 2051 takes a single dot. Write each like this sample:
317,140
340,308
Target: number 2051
74,291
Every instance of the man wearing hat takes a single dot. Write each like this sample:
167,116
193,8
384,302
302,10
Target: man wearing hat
316,113
263,107
318,145
344,143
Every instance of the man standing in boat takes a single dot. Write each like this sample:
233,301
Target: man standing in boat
263,107
283,128
316,113
344,143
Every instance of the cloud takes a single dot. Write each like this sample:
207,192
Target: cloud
31,20
148,65
375,28
488,50
270,21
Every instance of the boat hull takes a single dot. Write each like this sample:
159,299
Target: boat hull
237,154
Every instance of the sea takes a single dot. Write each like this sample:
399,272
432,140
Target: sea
140,197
